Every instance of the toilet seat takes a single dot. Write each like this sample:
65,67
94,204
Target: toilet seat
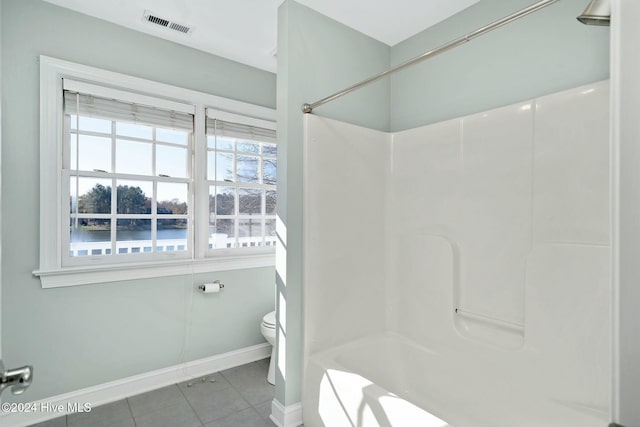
269,320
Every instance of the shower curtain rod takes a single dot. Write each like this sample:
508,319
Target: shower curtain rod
308,108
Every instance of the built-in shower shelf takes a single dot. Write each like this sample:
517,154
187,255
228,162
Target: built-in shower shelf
490,329
518,327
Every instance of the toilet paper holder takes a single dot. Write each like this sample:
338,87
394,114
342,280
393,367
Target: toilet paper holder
217,285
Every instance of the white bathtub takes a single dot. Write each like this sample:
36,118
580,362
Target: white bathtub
387,380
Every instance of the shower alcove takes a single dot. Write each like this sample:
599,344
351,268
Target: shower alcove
458,274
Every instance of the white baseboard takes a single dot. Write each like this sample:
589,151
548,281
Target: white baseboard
101,394
286,416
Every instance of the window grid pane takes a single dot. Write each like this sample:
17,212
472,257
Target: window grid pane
242,193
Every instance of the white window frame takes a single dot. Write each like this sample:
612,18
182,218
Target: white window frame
51,271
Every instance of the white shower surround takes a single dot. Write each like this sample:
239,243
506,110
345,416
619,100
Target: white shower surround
503,215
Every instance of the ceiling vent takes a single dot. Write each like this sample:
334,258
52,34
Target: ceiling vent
167,23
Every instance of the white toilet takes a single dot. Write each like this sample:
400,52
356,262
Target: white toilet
268,328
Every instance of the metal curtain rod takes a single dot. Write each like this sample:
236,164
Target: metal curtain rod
308,108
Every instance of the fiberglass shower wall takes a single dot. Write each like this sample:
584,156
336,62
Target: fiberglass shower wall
346,173
501,236
486,235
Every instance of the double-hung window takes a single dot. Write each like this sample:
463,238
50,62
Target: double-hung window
128,171
142,179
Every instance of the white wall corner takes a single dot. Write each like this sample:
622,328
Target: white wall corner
286,416
625,108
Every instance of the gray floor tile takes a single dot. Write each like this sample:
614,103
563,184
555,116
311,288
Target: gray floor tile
264,362
108,415
251,381
179,415
247,418
264,409
56,422
212,403
224,402
129,422
146,403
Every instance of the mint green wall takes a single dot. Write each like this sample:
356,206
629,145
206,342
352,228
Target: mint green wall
86,335
542,53
316,56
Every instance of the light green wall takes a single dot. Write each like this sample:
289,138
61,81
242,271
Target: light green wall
542,53
316,56
86,335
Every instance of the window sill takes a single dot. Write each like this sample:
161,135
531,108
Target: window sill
74,276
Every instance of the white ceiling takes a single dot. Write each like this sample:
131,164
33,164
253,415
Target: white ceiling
246,30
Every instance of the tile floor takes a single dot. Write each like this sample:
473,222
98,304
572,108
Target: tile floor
239,397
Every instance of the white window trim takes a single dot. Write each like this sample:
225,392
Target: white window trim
51,271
